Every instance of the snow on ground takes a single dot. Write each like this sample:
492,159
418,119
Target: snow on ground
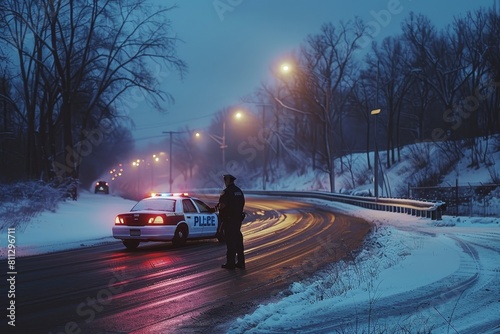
85,222
413,275
402,260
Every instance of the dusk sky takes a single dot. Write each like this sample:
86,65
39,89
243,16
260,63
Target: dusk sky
231,46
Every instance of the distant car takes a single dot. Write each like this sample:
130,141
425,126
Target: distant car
167,217
101,187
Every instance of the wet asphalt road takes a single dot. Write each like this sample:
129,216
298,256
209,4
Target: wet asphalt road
159,288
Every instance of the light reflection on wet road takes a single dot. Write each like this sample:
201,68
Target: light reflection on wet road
159,288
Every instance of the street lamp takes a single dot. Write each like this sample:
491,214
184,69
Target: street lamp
264,137
171,133
137,163
221,140
376,112
285,68
153,162
264,158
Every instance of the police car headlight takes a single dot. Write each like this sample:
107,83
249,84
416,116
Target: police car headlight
156,220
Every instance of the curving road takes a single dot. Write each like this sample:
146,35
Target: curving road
159,288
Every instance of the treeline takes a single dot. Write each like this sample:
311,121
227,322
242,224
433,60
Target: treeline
430,84
68,69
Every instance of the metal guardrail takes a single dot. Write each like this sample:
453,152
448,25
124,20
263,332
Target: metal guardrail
432,210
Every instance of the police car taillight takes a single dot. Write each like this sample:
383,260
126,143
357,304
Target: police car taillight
156,220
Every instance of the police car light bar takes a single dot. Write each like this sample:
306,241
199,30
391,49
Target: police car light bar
169,194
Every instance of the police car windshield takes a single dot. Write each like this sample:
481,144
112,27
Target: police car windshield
155,204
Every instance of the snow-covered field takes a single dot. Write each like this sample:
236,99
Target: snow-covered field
413,275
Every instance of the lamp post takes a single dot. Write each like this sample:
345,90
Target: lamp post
223,145
265,133
170,181
376,112
323,99
153,162
221,140
264,158
137,163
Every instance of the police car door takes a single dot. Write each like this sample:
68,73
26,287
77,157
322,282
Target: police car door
192,218
208,219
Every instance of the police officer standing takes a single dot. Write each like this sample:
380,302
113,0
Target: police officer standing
231,203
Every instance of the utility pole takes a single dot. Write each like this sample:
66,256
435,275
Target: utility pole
264,159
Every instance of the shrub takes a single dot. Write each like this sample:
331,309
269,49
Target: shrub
24,200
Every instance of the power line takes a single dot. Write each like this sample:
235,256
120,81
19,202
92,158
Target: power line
162,124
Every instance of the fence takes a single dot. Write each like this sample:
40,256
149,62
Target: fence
481,200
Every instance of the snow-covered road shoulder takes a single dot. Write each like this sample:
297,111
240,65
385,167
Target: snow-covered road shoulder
75,224
412,275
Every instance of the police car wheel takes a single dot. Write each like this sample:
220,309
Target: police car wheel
131,244
180,235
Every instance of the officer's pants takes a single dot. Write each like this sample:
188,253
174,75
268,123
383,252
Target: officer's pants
234,242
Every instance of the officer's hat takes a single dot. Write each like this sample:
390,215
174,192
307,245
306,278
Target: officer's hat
229,176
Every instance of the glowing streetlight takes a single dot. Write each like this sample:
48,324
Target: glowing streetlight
221,140
286,68
154,161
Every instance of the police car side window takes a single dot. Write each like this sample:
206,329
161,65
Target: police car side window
188,206
202,206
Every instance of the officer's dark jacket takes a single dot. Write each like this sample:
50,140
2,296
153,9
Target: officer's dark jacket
232,202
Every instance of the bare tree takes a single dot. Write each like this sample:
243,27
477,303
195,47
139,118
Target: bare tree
440,63
492,57
85,58
362,98
328,60
393,83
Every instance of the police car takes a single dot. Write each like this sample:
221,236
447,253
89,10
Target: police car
167,217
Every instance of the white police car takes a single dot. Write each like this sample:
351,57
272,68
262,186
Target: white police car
167,217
